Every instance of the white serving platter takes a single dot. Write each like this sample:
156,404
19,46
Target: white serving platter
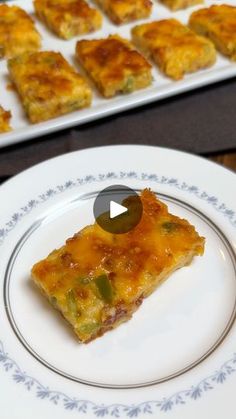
162,87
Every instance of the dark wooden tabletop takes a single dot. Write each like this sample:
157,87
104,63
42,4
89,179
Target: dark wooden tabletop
225,159
201,122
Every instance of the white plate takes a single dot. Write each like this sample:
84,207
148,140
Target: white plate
162,87
176,348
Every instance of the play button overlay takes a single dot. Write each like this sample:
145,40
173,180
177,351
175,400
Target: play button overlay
117,209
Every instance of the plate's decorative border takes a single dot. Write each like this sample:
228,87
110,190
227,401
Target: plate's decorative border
116,410
153,177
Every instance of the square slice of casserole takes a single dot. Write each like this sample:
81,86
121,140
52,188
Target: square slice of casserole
17,32
123,11
68,18
114,65
48,85
218,23
180,4
5,117
174,47
97,280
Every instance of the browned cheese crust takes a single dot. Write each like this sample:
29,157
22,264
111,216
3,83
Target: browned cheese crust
68,18
175,48
114,65
48,85
218,23
97,280
123,11
17,32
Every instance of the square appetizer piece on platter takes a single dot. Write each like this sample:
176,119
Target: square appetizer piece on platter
48,85
123,11
174,47
114,65
97,280
180,4
218,23
68,18
5,117
17,32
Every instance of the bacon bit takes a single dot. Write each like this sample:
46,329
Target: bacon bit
112,276
117,313
108,262
11,87
74,238
67,261
139,300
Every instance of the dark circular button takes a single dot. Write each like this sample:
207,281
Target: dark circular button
117,209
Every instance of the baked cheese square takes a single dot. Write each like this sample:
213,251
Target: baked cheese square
180,4
174,47
5,117
68,18
17,32
97,280
48,85
218,23
123,11
114,65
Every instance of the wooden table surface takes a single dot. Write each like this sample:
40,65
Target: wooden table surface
226,159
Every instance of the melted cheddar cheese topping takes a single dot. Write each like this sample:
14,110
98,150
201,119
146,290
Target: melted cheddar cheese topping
218,23
114,65
123,11
174,47
68,18
17,32
180,4
98,279
48,85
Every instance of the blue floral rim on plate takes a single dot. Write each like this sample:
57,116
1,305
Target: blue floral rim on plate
116,410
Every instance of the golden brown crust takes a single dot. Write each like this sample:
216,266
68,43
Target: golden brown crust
114,65
218,23
180,4
97,280
123,11
17,32
5,117
174,47
68,18
47,85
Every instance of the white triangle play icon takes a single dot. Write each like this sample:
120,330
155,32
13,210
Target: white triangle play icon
116,209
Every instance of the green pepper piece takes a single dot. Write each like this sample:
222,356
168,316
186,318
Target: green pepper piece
129,85
49,60
170,227
71,302
89,327
104,287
